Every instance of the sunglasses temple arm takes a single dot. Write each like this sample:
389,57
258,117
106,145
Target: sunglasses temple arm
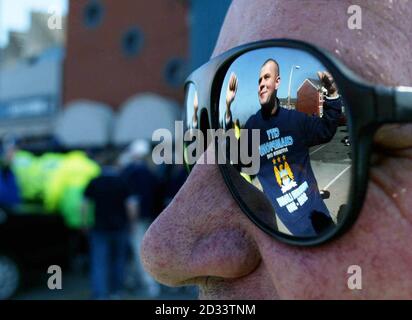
393,104
403,104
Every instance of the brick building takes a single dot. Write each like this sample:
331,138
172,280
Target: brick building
116,49
310,97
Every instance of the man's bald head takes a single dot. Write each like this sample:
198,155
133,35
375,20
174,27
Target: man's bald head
275,63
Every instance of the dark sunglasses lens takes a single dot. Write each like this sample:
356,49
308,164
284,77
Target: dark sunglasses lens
291,171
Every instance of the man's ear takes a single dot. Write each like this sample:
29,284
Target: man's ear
277,81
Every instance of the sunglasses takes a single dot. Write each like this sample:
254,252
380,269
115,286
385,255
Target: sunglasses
308,122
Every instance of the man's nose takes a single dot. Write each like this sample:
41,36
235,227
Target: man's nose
201,233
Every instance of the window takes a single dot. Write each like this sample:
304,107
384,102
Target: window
175,72
93,13
132,42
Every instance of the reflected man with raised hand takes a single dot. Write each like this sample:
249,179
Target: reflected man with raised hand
285,138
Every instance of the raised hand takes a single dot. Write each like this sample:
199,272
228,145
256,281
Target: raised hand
328,82
231,90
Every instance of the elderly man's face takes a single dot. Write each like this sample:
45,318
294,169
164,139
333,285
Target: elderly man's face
204,238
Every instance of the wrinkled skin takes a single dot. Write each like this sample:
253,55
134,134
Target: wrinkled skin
204,238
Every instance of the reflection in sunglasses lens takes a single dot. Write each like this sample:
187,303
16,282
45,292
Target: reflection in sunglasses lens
304,149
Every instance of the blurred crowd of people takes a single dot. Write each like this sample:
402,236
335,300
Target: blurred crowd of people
127,197
117,199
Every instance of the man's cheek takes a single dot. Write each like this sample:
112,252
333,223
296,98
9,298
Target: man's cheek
394,136
391,181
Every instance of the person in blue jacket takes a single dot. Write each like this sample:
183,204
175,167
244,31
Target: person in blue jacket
9,189
285,174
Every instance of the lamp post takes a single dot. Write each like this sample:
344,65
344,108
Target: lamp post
290,81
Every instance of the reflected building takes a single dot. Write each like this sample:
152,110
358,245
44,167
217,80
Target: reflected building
310,97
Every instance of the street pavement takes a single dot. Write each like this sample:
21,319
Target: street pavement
332,164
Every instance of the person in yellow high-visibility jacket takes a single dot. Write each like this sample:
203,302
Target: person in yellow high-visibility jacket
237,135
23,166
64,190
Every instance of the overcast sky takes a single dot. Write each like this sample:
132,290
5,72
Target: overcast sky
15,14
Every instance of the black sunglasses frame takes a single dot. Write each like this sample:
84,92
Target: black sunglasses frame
367,107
